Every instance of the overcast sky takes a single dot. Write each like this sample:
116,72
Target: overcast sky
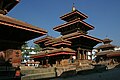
104,15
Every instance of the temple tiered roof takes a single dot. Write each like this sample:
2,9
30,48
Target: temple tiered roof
74,25
58,41
110,53
72,15
107,41
107,49
44,39
60,51
106,44
79,34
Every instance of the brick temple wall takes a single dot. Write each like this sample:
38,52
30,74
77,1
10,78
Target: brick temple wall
11,56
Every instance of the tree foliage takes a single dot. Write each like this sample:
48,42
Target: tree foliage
37,48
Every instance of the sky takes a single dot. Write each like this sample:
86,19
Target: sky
104,15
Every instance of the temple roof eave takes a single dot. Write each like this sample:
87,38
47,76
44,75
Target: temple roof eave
15,30
78,34
44,39
101,53
107,40
57,41
106,46
55,51
57,28
72,13
108,53
5,20
48,48
114,54
61,43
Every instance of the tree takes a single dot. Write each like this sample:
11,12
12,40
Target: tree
25,52
37,48
24,47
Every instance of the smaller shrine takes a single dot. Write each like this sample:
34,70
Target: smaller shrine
107,52
56,53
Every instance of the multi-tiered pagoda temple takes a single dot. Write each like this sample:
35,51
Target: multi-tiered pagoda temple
75,30
74,36
107,52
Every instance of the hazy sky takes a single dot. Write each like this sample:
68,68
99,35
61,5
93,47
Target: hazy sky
104,15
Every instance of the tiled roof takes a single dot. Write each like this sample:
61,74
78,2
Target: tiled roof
61,49
44,39
79,34
72,13
109,53
106,46
102,53
12,22
54,52
48,48
114,53
73,22
57,41
106,40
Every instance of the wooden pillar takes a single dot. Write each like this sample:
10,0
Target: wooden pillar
42,62
83,52
80,56
87,55
91,55
46,62
78,53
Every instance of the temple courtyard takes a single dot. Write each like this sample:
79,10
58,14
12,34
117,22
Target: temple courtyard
112,74
72,73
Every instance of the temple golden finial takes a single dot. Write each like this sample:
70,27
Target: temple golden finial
73,7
